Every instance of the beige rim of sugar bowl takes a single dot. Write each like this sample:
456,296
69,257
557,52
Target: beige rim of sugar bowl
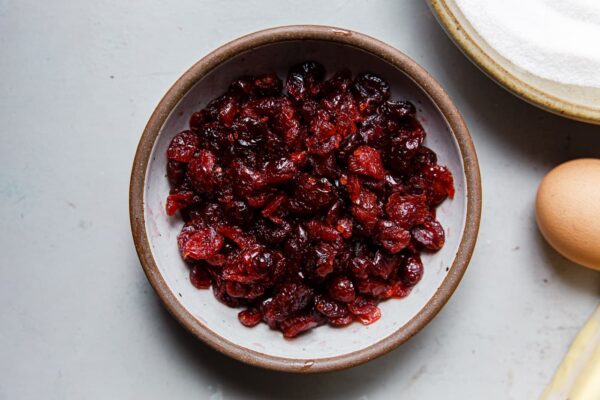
579,103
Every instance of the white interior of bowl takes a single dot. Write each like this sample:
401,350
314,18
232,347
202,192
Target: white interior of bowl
324,341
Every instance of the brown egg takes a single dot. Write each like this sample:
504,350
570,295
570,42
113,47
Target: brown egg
568,210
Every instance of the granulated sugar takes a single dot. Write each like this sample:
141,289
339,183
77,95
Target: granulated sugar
554,39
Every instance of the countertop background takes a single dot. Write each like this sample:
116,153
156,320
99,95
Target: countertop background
78,319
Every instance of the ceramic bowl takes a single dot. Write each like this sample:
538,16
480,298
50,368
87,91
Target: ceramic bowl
324,348
575,102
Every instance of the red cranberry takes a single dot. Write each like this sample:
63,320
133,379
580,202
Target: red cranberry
183,146
430,235
412,270
366,161
342,289
366,311
202,244
310,206
199,277
250,317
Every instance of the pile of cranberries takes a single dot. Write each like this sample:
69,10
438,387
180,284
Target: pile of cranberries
308,205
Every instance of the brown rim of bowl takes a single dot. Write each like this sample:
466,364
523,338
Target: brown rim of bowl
282,34
502,76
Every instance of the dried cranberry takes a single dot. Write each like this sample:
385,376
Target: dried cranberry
371,91
199,277
204,172
202,244
412,270
330,308
289,299
324,255
177,201
319,230
312,194
366,161
303,80
183,146
344,227
342,289
430,235
176,172
292,327
250,317
366,311
407,210
392,236
310,206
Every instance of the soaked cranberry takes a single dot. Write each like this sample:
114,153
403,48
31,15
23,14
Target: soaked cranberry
399,290
370,91
199,277
183,146
383,264
412,270
290,299
307,206
303,80
331,309
203,171
430,235
177,201
440,183
176,172
366,161
366,311
250,317
399,109
201,245
392,236
294,326
407,210
268,85
342,289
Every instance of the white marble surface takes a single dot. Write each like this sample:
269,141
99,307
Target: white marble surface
78,320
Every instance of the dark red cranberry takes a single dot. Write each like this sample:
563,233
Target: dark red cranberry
371,91
183,146
250,317
204,172
199,277
399,109
306,207
289,300
342,289
412,270
176,172
430,235
392,236
294,326
407,210
366,161
303,80
177,201
366,311
201,244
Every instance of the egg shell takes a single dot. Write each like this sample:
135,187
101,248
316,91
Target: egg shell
568,210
